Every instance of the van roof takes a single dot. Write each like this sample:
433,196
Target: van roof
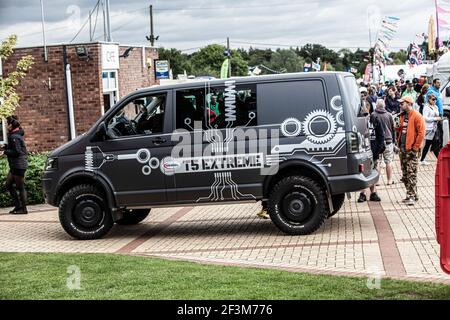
253,79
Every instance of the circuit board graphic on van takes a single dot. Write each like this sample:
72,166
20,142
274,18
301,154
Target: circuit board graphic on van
294,142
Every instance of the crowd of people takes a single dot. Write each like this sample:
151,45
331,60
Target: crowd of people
405,117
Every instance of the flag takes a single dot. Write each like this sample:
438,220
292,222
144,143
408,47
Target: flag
443,18
316,66
307,65
431,35
224,69
368,73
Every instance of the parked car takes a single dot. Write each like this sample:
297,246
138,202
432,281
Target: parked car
293,141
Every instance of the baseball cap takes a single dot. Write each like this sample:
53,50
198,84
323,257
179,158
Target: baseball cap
406,99
362,89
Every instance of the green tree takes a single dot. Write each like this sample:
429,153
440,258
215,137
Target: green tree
311,52
208,61
179,62
399,57
286,60
9,99
257,57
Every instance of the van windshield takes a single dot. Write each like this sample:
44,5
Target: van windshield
353,94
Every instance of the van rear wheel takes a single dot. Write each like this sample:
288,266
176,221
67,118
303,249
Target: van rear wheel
298,205
131,217
84,214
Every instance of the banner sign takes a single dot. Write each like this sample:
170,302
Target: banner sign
224,69
162,69
110,56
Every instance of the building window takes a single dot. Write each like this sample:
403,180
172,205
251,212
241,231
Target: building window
109,81
110,89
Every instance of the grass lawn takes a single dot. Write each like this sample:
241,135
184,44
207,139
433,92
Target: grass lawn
44,276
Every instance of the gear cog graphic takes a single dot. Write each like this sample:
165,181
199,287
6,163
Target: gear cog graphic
320,116
291,122
336,103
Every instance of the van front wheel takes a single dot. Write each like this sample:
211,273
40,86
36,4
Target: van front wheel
131,217
84,214
298,205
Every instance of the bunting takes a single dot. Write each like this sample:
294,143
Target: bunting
442,20
386,34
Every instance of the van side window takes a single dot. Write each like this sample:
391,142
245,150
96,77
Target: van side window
190,108
141,116
216,107
232,107
279,101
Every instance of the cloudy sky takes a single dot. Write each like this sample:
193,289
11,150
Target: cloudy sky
189,24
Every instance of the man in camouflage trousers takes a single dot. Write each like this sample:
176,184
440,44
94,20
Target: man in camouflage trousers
410,138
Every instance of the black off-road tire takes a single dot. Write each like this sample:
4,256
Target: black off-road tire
84,214
338,202
291,193
132,217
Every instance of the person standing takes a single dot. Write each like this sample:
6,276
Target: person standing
366,106
372,96
435,89
17,154
421,98
432,117
417,85
387,120
410,139
377,138
409,91
392,104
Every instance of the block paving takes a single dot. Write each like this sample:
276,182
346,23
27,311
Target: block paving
386,239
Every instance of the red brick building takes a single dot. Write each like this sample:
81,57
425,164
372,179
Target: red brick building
100,74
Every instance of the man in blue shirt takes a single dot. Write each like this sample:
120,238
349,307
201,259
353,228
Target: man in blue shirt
435,90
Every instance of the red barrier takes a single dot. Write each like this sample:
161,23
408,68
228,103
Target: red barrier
442,197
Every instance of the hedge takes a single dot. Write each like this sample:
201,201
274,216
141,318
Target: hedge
33,180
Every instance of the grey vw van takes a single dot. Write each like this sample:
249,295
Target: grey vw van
293,141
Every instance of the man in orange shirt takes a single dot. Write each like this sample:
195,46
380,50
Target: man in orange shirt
411,133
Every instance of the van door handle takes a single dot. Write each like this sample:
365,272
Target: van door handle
158,140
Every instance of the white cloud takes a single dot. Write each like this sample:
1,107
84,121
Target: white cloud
332,23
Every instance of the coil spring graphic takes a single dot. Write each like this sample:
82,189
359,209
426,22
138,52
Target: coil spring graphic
89,159
230,101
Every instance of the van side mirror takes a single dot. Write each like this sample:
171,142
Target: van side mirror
100,133
447,92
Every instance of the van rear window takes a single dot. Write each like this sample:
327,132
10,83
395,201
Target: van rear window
353,94
282,100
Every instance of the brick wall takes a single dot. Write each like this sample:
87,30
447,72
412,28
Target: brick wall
86,87
43,112
132,74
43,106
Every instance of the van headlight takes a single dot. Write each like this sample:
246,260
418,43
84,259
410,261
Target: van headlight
51,164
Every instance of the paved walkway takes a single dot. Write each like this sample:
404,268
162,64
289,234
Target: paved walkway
387,239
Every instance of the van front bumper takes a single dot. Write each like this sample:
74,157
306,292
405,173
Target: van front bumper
352,183
49,195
